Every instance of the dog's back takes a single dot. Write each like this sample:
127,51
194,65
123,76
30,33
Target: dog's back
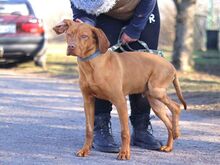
140,66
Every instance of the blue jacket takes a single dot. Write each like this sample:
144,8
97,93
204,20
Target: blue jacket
136,23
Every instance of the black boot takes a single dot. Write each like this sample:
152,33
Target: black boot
141,136
103,139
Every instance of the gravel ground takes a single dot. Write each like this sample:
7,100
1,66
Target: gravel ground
42,122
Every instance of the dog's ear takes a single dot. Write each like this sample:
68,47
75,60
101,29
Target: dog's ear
102,40
62,26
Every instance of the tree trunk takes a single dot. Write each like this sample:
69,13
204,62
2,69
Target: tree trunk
183,44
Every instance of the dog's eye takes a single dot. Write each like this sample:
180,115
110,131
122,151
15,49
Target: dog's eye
68,35
84,36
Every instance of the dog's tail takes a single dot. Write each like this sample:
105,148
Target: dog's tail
178,91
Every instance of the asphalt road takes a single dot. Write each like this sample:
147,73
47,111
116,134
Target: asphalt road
42,122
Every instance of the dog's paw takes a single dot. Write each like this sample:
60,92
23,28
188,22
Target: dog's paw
83,152
166,148
124,155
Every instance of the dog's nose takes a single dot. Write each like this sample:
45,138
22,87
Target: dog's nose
71,46
70,49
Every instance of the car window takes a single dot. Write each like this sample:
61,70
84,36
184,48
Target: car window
20,9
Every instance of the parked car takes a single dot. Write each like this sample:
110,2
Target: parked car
22,34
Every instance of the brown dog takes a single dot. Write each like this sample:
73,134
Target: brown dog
111,76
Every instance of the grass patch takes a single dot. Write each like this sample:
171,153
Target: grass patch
58,63
61,65
197,81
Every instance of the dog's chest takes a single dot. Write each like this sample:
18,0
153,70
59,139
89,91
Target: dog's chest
97,90
96,86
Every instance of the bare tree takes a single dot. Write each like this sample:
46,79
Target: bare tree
183,44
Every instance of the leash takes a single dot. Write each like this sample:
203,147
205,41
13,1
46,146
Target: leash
119,47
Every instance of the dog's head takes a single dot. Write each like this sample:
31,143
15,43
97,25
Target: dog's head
82,39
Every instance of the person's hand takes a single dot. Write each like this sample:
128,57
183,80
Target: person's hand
126,39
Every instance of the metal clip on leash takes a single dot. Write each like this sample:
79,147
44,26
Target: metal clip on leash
147,49
118,47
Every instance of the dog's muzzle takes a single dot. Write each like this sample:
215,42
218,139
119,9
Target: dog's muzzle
70,50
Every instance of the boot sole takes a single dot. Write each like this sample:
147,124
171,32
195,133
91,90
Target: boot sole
106,149
144,146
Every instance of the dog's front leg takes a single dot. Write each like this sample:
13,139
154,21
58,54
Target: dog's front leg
89,114
121,106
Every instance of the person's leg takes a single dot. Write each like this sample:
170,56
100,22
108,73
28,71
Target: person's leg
140,108
103,139
150,35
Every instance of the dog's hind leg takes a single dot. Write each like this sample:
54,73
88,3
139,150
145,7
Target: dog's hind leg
160,94
160,110
175,110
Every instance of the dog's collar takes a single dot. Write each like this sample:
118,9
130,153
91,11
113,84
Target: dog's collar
86,59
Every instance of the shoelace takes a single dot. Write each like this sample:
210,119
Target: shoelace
149,124
106,130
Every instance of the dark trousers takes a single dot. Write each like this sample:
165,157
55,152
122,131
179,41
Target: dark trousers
112,28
